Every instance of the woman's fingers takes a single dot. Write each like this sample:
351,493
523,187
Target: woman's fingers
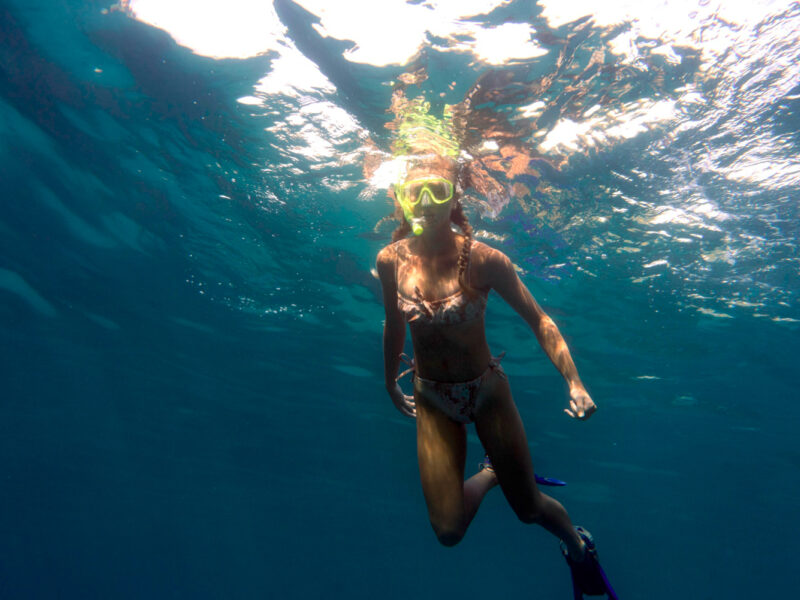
581,405
579,412
409,408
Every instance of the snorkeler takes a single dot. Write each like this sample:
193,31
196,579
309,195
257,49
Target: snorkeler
438,281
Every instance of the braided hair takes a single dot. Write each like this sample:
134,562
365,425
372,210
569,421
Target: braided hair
403,229
459,217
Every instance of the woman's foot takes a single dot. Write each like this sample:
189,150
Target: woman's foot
588,576
575,551
486,464
486,470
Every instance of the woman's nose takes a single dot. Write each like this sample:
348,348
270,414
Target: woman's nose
425,198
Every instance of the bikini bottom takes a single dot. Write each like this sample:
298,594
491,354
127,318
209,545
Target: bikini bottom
455,399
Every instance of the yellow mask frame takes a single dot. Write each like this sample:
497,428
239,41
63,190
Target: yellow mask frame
409,193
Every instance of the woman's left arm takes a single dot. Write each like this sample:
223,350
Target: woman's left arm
502,277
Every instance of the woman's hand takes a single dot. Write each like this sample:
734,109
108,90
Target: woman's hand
405,404
581,405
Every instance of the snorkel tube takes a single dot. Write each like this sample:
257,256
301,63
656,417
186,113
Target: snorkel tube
416,226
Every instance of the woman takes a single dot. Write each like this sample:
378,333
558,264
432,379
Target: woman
438,282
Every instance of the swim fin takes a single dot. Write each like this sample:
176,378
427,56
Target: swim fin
588,576
549,481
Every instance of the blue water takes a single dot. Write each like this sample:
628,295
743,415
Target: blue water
192,399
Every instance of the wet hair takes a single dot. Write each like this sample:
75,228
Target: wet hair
459,218
403,229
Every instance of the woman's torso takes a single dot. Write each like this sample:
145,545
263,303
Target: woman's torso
446,322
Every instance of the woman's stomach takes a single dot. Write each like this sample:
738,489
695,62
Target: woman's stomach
450,353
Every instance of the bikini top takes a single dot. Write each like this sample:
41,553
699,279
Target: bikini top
450,310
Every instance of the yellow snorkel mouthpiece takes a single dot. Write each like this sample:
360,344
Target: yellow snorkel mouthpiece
416,227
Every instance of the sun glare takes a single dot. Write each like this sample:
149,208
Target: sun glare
230,29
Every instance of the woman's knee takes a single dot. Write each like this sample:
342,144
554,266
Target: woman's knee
531,512
448,534
529,516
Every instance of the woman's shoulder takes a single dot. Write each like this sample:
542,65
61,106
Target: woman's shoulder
486,253
388,254
488,264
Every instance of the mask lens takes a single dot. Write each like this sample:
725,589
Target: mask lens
440,189
414,191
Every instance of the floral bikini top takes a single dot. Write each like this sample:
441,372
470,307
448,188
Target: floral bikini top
450,310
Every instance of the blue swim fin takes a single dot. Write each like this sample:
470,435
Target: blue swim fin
588,577
549,481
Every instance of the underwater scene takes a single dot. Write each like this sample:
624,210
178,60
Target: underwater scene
194,194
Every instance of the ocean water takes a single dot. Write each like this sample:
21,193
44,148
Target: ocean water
191,400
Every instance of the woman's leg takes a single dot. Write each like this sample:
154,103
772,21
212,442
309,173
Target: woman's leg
441,450
500,429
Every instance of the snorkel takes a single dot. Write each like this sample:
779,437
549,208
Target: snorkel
406,207
416,225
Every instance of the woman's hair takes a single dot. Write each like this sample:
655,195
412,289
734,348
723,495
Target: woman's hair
403,229
457,217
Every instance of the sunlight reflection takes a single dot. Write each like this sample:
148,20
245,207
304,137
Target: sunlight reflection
293,74
230,29
393,31
322,134
503,44
603,128
384,33
685,23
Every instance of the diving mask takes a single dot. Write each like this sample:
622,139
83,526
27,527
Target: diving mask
409,193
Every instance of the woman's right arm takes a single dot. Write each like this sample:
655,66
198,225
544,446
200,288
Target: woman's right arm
394,332
502,277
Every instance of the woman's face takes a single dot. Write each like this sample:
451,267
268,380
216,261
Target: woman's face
430,192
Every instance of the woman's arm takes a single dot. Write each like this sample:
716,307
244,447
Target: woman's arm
502,277
394,331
